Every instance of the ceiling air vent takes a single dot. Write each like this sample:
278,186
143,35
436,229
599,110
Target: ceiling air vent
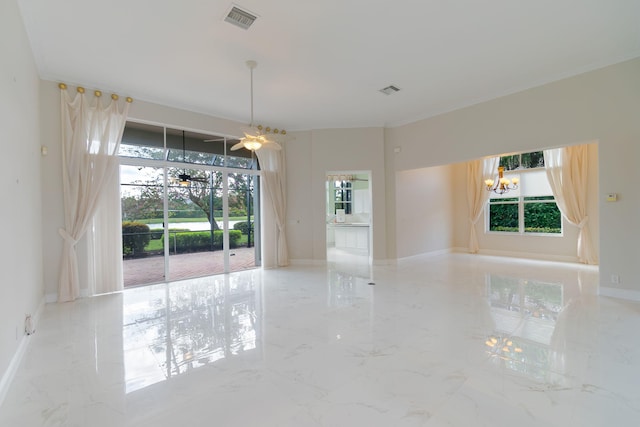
240,18
390,89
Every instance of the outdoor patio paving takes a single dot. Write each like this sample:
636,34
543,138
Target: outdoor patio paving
141,271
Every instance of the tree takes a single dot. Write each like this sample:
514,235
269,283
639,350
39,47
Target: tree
240,187
204,191
147,203
144,199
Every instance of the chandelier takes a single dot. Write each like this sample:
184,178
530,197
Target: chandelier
501,185
503,347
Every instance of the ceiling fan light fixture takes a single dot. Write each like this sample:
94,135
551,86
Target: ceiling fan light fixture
256,137
252,145
183,180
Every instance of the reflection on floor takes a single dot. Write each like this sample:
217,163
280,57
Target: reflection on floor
350,261
452,340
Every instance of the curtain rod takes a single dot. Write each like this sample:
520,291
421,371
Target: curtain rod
97,93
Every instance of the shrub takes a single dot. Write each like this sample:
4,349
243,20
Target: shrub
197,241
548,230
243,226
135,236
156,234
235,212
234,238
507,229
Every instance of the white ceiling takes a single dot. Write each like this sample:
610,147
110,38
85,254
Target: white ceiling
322,62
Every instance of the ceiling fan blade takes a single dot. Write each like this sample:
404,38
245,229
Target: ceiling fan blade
214,140
237,146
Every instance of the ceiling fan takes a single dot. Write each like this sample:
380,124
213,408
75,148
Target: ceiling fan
257,137
184,179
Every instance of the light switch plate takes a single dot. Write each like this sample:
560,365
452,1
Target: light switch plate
612,197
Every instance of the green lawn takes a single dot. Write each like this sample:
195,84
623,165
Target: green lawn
156,245
204,219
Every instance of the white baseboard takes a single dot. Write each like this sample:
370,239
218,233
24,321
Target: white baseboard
384,261
418,257
529,255
307,261
460,250
319,262
53,296
627,294
323,262
10,373
463,250
14,364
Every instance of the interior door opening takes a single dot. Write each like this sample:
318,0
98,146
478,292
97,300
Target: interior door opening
349,226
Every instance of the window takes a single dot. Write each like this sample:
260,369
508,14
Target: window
529,209
522,161
342,196
143,141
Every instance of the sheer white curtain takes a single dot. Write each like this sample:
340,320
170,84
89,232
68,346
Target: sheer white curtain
477,195
274,188
105,241
567,172
91,136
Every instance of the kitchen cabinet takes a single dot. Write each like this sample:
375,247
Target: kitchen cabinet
349,236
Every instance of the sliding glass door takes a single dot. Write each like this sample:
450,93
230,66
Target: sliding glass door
242,235
142,208
188,208
196,238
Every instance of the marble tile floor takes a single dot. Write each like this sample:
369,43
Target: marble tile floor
451,340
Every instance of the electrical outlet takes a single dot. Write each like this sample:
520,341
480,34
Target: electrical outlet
615,279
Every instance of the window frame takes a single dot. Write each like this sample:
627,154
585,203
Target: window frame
521,202
346,187
175,154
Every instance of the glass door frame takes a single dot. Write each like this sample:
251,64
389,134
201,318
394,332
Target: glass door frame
165,165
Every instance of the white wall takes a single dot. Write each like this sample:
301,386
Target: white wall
460,212
424,207
321,151
602,106
21,212
299,207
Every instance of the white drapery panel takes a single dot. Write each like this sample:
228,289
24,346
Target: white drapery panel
105,241
274,188
567,170
477,195
90,139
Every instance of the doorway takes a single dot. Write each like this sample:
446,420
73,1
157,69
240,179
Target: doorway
349,226
189,209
